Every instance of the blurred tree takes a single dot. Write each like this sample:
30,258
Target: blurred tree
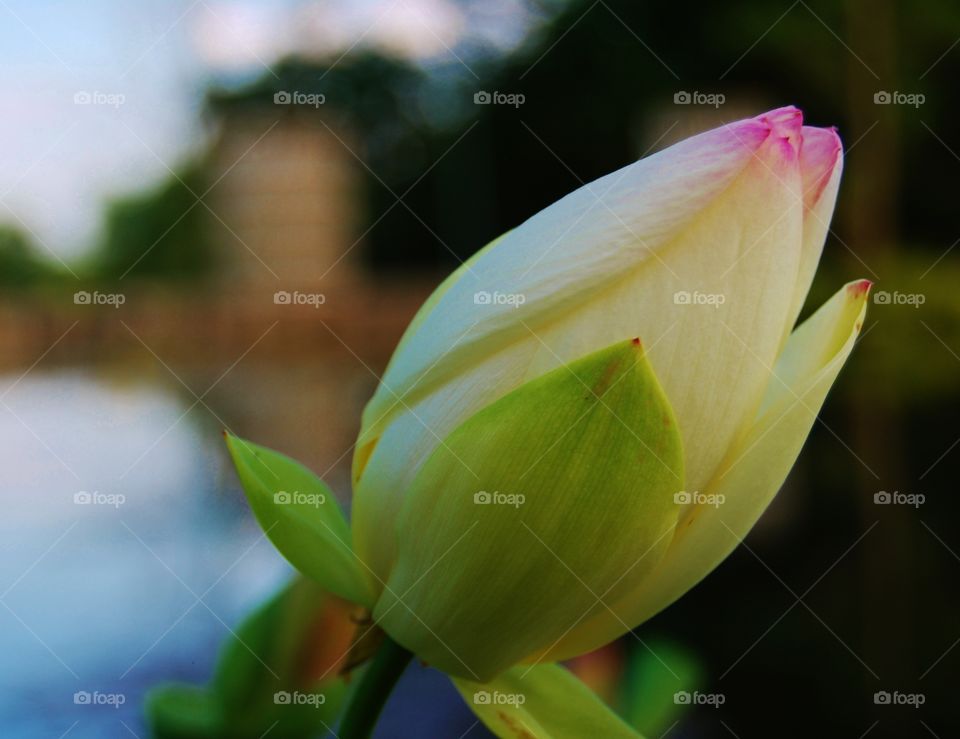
374,98
159,233
21,266
599,81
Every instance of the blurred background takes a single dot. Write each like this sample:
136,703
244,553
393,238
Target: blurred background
222,215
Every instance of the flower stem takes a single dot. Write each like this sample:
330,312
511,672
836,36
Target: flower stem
375,687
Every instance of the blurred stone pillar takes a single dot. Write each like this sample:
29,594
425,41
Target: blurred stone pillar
286,204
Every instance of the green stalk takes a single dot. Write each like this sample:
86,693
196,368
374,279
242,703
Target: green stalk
375,687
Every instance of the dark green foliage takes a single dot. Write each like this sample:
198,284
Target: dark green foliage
158,233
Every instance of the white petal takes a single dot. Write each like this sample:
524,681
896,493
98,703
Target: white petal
821,163
720,214
573,247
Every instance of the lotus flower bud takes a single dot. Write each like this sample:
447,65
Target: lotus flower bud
532,482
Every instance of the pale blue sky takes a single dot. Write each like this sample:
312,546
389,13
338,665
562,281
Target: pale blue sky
143,68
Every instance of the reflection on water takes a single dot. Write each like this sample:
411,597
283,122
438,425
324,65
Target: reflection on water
124,556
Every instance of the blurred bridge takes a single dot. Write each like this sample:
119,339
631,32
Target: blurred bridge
284,343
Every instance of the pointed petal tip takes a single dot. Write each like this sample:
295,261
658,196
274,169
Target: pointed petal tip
781,127
785,123
821,159
786,113
859,289
781,130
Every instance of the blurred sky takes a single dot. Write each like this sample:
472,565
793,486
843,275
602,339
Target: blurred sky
142,69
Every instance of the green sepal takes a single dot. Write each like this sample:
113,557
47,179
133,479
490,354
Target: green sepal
300,515
538,512
543,701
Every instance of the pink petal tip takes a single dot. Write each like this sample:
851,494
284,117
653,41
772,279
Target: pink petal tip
859,288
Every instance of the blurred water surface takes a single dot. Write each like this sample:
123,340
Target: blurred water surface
122,553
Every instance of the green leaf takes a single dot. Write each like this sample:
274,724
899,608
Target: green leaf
280,649
542,701
300,515
177,711
653,676
266,650
535,514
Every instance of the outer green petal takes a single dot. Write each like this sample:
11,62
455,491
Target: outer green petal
546,702
752,473
301,517
481,581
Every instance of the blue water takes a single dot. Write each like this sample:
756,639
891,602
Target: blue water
116,514
115,518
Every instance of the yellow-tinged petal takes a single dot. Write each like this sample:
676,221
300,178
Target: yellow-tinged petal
388,399
751,475
545,702
516,523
